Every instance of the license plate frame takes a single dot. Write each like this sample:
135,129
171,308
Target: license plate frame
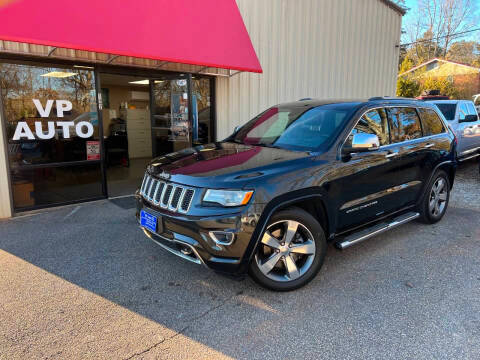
150,221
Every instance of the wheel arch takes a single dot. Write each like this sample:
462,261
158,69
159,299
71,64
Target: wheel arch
312,200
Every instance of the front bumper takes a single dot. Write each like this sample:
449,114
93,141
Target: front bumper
188,236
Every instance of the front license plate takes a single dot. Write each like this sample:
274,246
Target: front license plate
148,221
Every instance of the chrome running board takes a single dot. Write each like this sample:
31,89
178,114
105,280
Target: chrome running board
375,230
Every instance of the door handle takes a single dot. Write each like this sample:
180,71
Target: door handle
429,145
391,154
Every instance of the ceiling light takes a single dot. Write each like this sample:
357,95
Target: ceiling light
82,67
140,82
59,74
144,82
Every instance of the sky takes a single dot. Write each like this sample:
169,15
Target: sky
411,14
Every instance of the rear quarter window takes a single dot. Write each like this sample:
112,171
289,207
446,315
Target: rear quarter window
448,110
431,122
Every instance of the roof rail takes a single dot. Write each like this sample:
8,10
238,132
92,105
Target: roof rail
305,99
389,98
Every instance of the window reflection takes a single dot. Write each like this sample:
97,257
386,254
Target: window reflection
37,100
373,122
202,124
51,117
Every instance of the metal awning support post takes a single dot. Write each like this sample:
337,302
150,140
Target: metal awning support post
111,58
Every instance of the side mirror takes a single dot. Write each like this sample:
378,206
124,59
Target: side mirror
469,118
363,142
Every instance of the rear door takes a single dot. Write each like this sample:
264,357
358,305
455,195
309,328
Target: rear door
407,143
436,142
471,130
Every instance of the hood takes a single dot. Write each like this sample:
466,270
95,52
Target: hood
226,164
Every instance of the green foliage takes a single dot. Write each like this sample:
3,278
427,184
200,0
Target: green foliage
406,65
407,87
445,86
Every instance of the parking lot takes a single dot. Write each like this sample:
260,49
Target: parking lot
84,282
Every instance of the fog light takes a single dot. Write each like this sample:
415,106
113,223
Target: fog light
186,250
222,237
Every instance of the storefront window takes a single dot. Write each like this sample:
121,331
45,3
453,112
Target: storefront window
202,121
171,128
50,118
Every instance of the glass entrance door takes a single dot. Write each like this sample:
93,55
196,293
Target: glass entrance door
126,130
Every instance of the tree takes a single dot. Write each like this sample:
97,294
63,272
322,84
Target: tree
437,24
458,15
445,86
466,52
407,86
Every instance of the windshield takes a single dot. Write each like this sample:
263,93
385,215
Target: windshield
448,110
297,127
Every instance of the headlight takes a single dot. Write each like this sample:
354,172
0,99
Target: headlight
228,197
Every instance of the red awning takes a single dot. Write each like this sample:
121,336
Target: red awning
197,32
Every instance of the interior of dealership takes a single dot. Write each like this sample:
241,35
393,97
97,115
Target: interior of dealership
64,145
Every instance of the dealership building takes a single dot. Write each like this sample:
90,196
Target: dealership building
90,94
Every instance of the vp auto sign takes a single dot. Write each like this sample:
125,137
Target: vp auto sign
83,129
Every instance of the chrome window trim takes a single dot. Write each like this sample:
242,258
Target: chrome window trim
445,126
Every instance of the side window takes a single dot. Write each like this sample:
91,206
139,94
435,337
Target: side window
431,123
462,111
471,109
373,122
404,124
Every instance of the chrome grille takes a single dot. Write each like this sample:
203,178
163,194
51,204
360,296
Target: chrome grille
166,195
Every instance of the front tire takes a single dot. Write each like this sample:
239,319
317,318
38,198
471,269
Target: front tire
291,251
436,198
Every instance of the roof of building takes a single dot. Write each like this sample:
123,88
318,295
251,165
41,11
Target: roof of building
394,6
440,60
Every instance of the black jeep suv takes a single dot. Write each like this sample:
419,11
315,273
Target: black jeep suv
267,199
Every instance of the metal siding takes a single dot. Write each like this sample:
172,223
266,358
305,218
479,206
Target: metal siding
312,48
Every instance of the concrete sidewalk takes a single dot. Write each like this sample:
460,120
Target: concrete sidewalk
83,282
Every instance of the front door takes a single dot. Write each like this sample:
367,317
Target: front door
365,193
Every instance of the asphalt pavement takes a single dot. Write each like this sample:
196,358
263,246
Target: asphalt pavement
83,282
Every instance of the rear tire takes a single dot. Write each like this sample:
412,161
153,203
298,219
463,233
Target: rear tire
291,251
435,200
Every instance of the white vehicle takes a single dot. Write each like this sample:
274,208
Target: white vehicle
463,119
476,102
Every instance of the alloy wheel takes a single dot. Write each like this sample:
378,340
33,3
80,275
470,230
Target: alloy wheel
287,251
438,197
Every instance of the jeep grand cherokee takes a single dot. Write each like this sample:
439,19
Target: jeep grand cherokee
267,199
